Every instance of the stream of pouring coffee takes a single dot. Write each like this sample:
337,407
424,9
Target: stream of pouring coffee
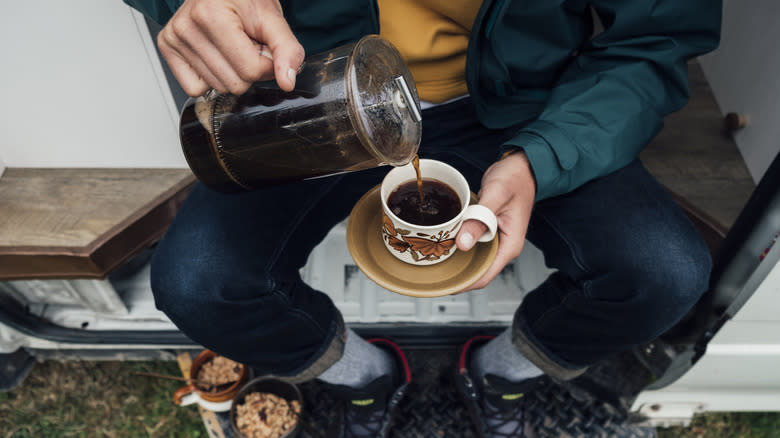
416,164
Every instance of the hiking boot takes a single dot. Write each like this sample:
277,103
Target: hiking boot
368,411
496,405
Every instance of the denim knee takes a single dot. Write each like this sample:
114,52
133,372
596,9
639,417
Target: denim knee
194,290
660,282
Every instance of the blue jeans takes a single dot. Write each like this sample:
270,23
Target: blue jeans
629,263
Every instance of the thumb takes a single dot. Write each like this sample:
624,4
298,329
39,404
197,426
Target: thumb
494,198
470,231
287,52
288,57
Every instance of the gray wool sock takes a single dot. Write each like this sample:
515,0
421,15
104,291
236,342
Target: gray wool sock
361,363
502,358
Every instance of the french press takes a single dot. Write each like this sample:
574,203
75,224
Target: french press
354,107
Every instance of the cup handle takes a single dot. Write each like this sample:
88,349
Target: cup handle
484,215
185,395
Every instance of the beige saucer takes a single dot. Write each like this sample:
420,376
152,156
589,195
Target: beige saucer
364,241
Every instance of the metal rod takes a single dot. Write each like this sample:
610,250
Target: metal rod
410,102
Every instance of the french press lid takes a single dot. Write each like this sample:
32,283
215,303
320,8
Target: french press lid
385,108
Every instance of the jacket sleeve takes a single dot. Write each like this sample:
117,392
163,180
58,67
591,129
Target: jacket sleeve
158,10
610,101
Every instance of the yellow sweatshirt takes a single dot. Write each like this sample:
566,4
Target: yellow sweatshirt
432,36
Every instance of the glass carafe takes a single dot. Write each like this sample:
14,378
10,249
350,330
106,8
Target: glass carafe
354,107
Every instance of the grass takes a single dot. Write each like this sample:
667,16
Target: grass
728,425
108,399
97,399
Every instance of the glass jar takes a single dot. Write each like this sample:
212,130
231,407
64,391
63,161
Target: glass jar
354,107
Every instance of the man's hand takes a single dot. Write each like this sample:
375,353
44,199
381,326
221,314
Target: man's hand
508,189
228,44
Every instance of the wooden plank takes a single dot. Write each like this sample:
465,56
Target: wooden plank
82,223
74,207
696,159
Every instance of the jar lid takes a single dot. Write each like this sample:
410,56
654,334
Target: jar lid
384,102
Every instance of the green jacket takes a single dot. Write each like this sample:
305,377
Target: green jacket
588,105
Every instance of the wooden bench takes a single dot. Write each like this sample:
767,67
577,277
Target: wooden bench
83,223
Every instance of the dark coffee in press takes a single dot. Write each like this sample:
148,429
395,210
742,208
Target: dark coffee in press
354,107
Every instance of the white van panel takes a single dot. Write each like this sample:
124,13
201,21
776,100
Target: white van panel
83,87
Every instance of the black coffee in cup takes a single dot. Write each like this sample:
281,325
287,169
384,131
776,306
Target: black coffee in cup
440,202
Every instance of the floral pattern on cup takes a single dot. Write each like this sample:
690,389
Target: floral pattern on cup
422,247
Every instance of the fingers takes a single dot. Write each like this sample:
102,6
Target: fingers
243,56
208,53
507,191
202,65
510,246
190,81
228,45
195,61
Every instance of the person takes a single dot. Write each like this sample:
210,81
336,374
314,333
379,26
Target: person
544,116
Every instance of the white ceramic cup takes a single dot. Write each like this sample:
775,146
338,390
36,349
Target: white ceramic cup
424,245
